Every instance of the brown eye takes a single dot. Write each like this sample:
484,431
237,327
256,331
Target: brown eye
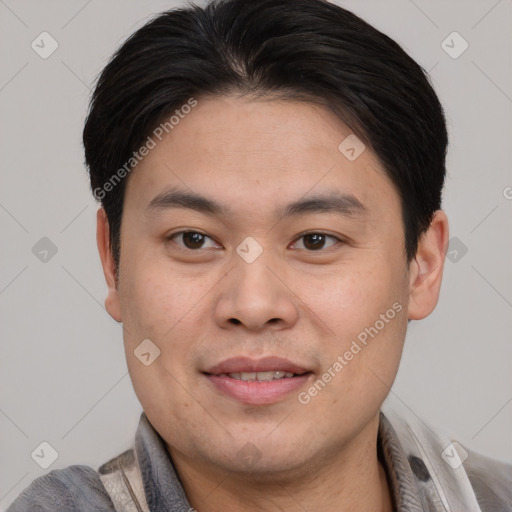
317,241
314,241
192,240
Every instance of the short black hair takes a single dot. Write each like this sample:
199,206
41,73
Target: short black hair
308,50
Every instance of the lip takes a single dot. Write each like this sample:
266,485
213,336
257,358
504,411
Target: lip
256,392
246,364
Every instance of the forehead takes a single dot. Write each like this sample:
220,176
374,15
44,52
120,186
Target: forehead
251,152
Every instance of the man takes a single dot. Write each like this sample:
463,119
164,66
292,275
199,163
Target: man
270,176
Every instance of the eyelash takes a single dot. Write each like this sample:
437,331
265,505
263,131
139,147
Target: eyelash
171,238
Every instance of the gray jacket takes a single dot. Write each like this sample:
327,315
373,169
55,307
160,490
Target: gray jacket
426,471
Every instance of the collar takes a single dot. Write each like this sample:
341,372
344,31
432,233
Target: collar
406,454
399,471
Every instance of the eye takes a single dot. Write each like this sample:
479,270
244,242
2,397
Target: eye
316,241
192,240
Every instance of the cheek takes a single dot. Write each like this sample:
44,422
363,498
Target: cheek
358,297
155,297
367,314
158,304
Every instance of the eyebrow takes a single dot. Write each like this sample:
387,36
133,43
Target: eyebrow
334,202
176,198
342,204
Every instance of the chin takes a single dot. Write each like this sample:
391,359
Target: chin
262,459
279,469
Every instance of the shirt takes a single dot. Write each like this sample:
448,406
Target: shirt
426,472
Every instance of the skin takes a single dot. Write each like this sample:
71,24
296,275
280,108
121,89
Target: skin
303,304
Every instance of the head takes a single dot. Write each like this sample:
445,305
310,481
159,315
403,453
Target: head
270,176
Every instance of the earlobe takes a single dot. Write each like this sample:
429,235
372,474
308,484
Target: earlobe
426,270
112,303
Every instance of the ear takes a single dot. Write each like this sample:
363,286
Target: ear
112,303
426,270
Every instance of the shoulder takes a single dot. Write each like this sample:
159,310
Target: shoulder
73,489
462,477
491,481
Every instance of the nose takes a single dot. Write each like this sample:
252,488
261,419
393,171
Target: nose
257,295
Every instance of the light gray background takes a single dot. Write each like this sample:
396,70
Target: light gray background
63,374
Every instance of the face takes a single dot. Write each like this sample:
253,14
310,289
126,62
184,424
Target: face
253,248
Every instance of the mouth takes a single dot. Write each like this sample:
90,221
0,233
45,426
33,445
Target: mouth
260,376
257,382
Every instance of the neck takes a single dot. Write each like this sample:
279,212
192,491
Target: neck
350,478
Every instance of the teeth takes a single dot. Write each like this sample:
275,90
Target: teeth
261,376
